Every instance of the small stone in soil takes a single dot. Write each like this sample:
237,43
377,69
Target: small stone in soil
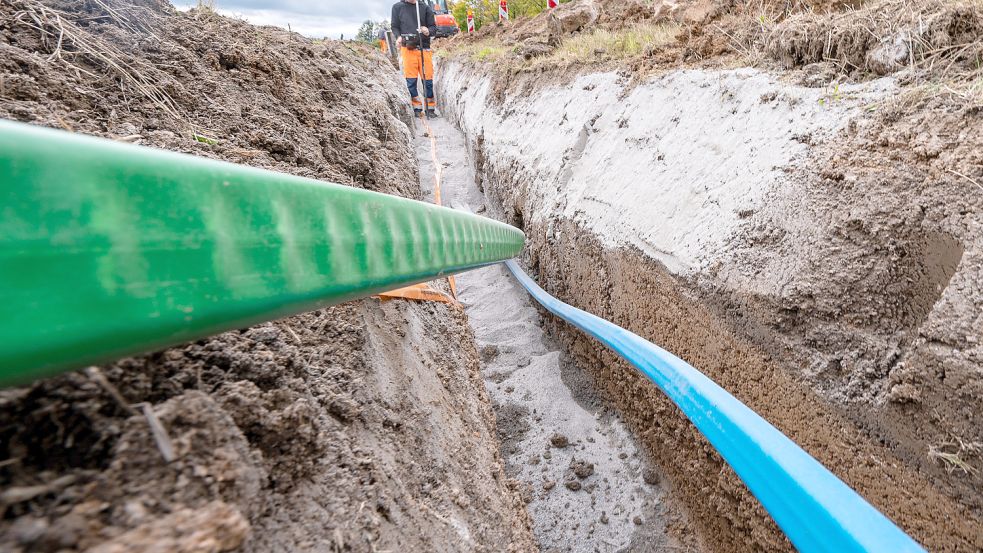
604,518
637,520
650,477
488,352
572,485
549,485
559,440
622,455
525,492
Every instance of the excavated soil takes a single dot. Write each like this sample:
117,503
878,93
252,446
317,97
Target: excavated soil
841,301
361,427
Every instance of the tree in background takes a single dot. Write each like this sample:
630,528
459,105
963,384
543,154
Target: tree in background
486,11
366,33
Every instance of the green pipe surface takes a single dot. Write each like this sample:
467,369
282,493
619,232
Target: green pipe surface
110,249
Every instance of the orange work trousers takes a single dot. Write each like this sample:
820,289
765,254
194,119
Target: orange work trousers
411,63
411,71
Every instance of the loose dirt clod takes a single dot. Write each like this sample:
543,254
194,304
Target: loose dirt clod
650,476
581,469
559,441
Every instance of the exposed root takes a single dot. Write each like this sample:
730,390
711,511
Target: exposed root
936,37
96,375
81,51
952,455
159,433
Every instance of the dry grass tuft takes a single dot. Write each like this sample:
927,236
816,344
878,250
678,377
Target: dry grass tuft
80,51
603,44
486,50
597,45
934,36
206,8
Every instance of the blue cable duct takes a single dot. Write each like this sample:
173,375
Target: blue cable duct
815,509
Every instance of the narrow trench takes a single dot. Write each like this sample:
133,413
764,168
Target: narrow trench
585,482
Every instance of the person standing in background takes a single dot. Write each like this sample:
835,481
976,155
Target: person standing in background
411,40
381,35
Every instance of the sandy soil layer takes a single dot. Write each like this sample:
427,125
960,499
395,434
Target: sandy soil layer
784,279
363,427
587,485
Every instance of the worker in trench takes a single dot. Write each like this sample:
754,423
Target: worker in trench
413,38
381,36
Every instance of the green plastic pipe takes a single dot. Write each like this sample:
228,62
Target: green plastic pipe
110,249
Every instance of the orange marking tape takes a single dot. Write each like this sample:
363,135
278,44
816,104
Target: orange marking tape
417,292
423,291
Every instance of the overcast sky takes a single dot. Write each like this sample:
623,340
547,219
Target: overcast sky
314,18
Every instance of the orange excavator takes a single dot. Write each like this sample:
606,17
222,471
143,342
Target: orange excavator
446,24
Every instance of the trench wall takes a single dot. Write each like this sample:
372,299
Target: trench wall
625,220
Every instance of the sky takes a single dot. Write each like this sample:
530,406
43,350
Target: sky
313,18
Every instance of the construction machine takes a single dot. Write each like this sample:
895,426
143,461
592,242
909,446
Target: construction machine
446,24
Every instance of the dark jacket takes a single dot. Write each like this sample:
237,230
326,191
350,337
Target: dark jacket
403,20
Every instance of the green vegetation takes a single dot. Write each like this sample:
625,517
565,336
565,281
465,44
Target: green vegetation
489,53
486,11
600,45
832,96
366,33
486,50
204,139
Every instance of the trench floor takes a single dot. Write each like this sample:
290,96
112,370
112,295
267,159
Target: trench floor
586,484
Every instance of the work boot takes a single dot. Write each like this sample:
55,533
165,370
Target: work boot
432,114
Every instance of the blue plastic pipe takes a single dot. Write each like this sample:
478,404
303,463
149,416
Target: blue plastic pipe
815,509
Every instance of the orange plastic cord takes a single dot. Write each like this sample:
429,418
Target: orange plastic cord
423,291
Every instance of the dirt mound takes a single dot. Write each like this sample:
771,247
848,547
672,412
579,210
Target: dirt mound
356,428
884,37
